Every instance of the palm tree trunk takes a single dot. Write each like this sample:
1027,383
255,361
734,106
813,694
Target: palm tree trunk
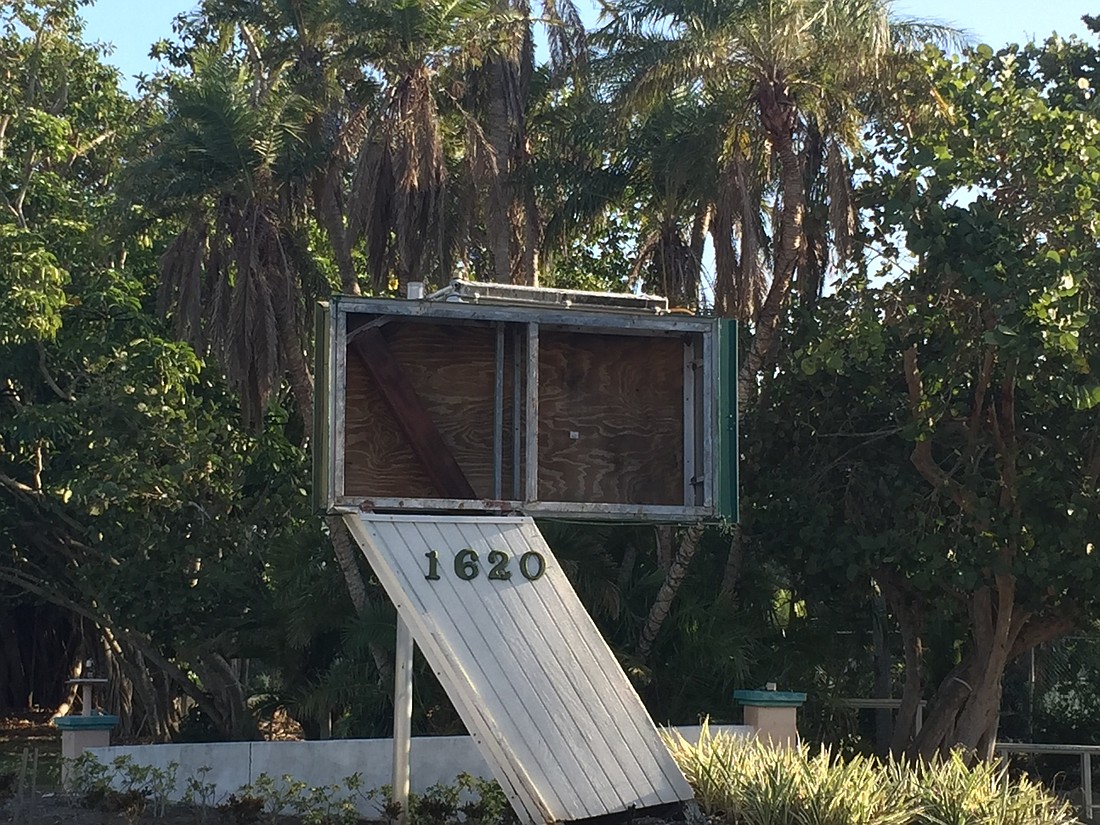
726,263
777,116
669,588
331,217
503,75
347,556
298,371
735,561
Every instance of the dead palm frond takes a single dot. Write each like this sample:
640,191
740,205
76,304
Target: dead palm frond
226,281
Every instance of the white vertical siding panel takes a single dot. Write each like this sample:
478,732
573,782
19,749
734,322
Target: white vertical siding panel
636,733
500,669
588,706
520,788
548,674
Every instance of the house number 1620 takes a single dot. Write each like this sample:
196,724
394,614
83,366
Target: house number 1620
467,565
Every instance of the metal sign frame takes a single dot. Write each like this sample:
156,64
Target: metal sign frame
709,404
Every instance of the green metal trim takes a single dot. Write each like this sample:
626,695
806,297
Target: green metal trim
319,495
770,698
98,722
727,500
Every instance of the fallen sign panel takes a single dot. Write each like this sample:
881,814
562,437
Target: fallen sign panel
529,673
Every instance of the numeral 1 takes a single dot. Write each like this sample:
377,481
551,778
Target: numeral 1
433,566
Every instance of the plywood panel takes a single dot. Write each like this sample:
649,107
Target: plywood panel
535,683
451,367
611,418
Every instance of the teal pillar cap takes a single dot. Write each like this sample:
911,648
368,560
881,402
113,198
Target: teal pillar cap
100,721
770,698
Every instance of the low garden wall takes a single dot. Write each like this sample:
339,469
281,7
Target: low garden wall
226,767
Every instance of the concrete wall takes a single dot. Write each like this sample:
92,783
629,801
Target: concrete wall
434,760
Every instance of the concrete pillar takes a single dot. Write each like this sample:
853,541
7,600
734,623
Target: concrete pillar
78,733
773,714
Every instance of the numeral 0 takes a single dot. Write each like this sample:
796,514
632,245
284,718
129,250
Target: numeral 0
525,562
532,565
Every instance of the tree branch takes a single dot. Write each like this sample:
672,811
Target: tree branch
980,389
143,645
921,456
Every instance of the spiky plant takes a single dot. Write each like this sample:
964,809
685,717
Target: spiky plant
743,781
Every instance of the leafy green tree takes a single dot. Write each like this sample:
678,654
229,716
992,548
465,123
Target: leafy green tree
947,416
129,500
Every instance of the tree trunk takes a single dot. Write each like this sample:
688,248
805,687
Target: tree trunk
626,567
966,709
909,623
225,689
297,368
726,263
700,226
16,691
663,534
778,116
503,75
669,588
331,217
735,562
883,682
347,557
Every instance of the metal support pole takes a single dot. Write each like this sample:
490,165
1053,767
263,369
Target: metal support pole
402,718
517,413
1086,782
531,488
498,416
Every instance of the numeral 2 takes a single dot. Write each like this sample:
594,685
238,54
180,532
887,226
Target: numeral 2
500,571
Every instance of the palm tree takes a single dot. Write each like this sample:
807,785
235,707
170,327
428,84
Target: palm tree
798,79
503,92
795,80
295,110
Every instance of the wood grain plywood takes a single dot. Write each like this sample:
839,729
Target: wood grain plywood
451,367
611,418
535,683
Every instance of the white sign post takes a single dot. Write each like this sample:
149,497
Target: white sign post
402,718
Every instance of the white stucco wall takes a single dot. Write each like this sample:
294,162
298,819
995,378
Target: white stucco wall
434,760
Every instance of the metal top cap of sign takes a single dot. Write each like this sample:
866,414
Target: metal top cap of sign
476,292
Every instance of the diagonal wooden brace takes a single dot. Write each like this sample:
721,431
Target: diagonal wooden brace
423,436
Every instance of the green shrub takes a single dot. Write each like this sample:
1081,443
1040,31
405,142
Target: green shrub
950,792
740,781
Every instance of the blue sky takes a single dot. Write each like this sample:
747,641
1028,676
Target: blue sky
131,26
